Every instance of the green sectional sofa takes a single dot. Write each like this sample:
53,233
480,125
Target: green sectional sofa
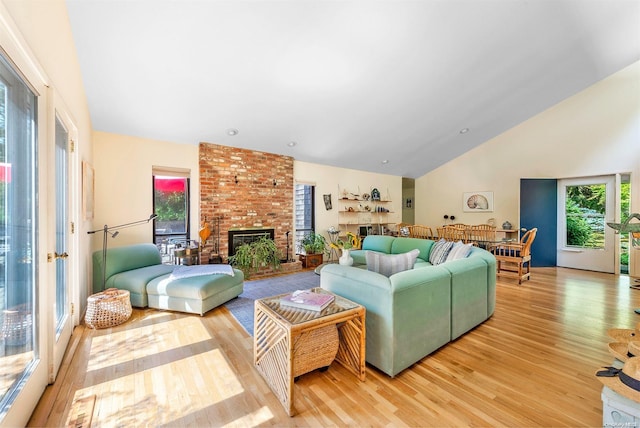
412,313
139,269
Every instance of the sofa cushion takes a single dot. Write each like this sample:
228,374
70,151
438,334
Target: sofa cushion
459,250
440,251
405,245
122,259
388,264
380,243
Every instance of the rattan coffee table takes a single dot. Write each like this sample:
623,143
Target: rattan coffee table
289,342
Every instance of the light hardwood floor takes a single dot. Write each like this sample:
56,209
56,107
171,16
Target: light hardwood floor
531,364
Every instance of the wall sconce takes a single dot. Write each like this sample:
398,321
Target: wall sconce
236,178
275,183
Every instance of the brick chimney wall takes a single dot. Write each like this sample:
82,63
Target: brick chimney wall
253,202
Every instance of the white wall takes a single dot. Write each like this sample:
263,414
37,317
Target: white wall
123,183
595,132
332,180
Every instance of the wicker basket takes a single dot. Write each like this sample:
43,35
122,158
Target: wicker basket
315,349
107,309
17,325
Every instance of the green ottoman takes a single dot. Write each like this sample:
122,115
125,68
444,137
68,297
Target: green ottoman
195,289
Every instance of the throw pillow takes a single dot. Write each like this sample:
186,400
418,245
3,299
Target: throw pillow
440,251
459,251
388,264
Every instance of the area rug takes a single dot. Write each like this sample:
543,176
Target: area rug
242,307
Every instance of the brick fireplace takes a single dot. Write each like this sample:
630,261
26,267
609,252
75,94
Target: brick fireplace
238,237
248,190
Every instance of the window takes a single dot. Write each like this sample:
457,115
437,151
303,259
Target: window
305,210
585,212
18,181
171,204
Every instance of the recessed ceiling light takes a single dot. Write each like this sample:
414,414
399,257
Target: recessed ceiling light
464,130
232,132
384,162
291,144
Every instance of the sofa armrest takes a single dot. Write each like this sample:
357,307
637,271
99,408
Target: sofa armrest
408,314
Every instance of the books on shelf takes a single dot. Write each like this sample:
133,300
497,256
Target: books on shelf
307,299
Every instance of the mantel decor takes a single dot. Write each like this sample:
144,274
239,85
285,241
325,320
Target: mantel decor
114,231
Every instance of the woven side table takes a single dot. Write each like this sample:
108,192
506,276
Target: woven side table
107,309
289,342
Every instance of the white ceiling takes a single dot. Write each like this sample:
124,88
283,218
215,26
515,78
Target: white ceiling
353,83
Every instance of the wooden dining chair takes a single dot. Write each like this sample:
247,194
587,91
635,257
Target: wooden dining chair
420,231
514,259
482,235
453,233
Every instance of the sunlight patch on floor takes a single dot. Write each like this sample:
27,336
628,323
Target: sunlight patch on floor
106,350
260,416
163,393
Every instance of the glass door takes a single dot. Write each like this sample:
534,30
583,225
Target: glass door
62,316
19,321
584,208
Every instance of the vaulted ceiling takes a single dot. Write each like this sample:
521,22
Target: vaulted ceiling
390,86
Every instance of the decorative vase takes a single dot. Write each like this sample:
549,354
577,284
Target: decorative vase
345,259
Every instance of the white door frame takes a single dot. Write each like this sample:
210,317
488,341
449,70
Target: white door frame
600,260
57,341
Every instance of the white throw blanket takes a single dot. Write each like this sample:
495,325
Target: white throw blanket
199,270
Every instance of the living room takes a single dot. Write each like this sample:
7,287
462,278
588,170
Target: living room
593,132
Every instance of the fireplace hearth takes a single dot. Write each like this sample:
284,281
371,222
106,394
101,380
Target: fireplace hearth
239,237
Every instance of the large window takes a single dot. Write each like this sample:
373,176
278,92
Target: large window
171,204
585,210
305,211
18,338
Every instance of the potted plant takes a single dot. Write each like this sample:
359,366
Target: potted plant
346,246
311,249
251,257
312,243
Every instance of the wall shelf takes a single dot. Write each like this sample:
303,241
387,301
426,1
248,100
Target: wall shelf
353,215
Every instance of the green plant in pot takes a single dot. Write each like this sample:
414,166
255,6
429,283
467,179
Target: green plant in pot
312,243
249,258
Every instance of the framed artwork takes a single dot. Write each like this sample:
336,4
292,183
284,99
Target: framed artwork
473,202
327,201
87,190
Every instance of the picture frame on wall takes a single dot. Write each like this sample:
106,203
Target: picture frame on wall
477,202
88,188
327,201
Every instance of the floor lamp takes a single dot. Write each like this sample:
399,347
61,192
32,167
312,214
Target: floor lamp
114,231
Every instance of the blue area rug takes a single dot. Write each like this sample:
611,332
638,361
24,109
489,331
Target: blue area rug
242,307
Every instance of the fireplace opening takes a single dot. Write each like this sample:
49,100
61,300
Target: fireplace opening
246,236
